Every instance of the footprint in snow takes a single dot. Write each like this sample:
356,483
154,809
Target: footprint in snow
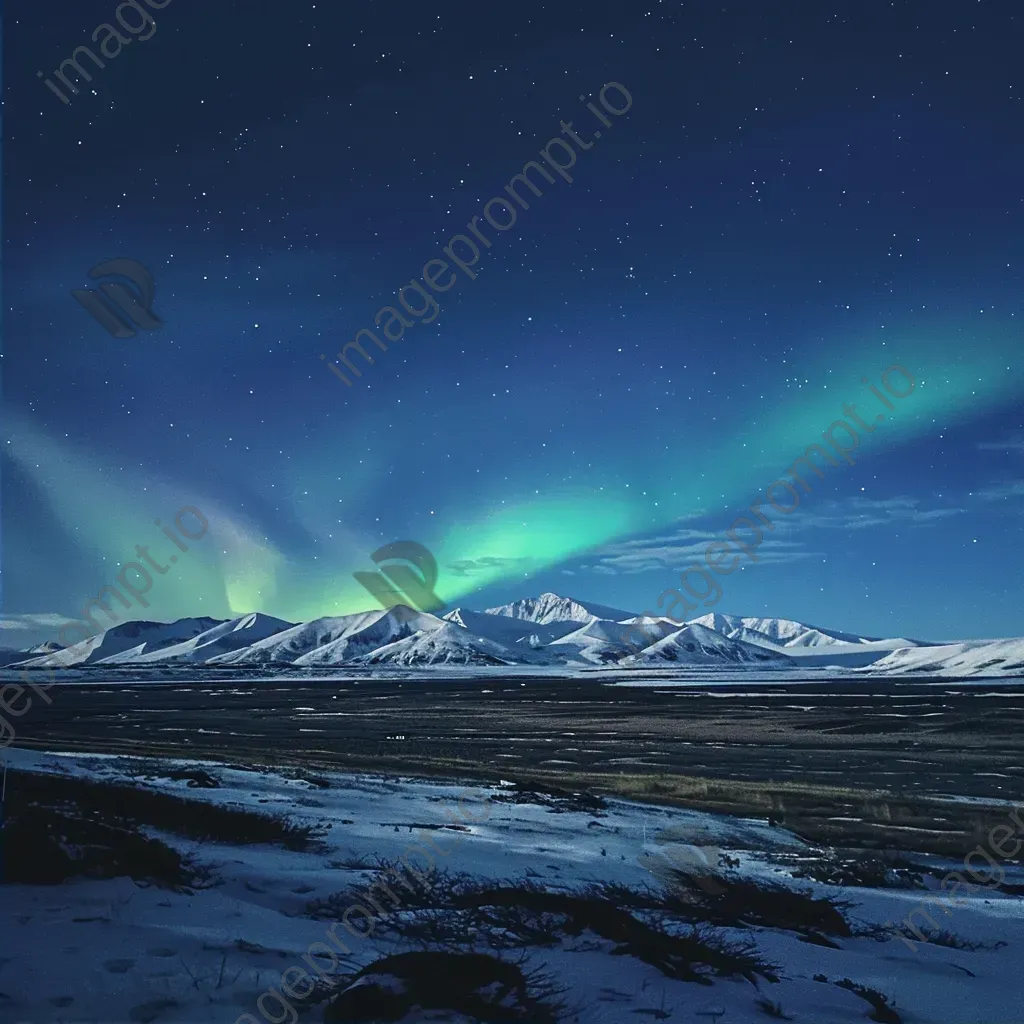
146,1013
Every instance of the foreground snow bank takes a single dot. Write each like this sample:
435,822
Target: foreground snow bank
113,951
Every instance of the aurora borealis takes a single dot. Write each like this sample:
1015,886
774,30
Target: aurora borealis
794,202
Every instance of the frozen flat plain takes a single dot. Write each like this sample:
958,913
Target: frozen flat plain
918,736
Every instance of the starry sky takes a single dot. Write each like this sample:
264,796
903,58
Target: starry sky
799,197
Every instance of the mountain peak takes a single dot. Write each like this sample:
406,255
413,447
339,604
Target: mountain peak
551,607
697,644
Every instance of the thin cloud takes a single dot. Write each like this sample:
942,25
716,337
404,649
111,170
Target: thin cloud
32,621
862,513
1012,444
675,554
683,547
1003,491
473,566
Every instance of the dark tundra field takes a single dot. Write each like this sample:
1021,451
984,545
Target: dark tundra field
862,762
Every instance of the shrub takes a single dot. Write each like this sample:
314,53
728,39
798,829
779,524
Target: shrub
881,1012
770,1009
553,797
135,806
864,872
526,914
47,845
472,985
943,937
739,901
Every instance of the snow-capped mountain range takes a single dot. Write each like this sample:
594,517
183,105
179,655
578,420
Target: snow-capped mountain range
549,630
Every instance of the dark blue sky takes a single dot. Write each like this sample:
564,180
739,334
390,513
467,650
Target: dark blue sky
797,199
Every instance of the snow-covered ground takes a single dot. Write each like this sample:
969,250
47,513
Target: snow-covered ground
974,658
114,951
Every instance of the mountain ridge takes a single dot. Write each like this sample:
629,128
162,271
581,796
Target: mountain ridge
548,630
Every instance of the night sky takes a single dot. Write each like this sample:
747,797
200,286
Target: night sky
800,196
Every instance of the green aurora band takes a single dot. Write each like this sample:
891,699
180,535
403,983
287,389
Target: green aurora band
960,373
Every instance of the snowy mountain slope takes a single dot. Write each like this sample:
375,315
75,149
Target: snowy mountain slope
47,647
140,637
973,658
657,621
791,636
550,608
752,636
511,632
813,637
286,646
720,623
641,631
782,632
798,634
842,655
376,630
11,655
697,645
449,644
602,641
233,635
